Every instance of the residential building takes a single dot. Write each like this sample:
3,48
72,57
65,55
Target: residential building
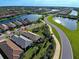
22,41
11,25
18,23
24,22
32,36
11,50
9,33
4,26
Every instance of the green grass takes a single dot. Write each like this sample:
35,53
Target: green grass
43,46
56,34
42,51
72,35
3,19
29,53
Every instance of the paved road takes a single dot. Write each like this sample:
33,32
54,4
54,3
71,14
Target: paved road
66,50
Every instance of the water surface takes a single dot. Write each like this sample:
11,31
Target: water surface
74,13
31,17
68,23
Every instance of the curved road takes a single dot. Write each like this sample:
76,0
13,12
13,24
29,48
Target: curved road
66,51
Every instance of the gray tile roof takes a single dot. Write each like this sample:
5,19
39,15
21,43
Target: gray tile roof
18,23
31,36
11,25
21,41
24,22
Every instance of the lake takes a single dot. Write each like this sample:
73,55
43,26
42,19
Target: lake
68,23
74,13
31,17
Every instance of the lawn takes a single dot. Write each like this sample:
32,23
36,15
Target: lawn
42,51
29,53
56,34
72,35
3,19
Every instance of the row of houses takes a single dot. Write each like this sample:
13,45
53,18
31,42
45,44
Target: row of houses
21,41
11,25
34,37
25,39
17,44
8,15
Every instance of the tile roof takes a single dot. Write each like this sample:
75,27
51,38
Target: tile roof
18,23
4,26
11,50
22,41
31,36
11,25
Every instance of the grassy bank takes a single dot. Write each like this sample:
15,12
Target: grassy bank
56,34
72,35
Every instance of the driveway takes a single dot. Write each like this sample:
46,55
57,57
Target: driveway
66,50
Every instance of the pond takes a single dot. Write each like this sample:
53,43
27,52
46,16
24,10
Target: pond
74,13
31,17
68,23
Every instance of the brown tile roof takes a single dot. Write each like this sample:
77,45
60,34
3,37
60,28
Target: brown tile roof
12,45
11,50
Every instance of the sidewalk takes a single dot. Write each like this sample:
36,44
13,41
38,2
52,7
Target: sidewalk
57,50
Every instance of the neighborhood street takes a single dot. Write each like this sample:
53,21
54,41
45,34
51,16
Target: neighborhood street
66,50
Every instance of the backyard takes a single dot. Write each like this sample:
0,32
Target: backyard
41,50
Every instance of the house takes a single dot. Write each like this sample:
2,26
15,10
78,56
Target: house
18,23
11,50
9,33
11,25
21,41
24,22
4,27
5,16
27,20
32,36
